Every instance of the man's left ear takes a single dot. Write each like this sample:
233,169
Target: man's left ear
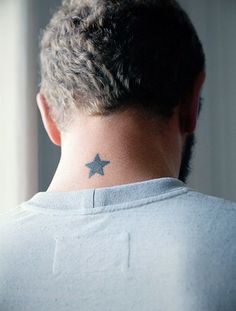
189,109
49,124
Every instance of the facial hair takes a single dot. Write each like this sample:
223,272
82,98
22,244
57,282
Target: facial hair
185,168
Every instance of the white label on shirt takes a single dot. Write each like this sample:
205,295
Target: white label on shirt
97,253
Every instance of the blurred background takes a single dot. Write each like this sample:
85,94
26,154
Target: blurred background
28,159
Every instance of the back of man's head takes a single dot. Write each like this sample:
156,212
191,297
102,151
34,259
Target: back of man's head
102,56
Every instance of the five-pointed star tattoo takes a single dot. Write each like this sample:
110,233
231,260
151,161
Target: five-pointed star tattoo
96,166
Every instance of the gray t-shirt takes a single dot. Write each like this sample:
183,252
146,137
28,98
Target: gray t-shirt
154,245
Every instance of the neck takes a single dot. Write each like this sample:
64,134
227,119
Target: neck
135,149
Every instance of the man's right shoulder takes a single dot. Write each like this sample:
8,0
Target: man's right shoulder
11,220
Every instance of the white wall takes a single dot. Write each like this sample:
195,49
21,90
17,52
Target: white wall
18,122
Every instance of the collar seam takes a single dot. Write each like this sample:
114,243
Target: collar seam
107,208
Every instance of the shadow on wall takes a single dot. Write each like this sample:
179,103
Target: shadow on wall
48,154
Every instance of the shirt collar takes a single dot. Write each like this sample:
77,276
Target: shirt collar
100,199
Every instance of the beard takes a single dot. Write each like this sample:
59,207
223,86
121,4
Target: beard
185,168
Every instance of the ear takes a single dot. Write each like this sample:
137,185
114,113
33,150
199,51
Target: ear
189,109
48,122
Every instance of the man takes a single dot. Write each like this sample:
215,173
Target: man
118,229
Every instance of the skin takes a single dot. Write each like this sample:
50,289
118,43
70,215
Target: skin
121,148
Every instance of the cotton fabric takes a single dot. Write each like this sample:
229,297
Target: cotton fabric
154,245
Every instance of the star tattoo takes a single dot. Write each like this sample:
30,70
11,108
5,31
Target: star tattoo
96,166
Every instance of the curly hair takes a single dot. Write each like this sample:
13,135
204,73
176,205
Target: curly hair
102,56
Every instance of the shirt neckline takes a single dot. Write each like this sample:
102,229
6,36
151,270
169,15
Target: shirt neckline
112,198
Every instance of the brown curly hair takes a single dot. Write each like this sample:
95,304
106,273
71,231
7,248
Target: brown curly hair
102,56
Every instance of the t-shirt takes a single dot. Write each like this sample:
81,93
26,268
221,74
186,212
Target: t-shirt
154,245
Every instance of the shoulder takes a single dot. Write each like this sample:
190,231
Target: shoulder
20,237
208,201
212,208
15,225
216,216
13,217
213,215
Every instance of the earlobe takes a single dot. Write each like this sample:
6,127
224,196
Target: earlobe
48,122
189,110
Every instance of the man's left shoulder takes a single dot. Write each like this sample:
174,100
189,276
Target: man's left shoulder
217,214
210,201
